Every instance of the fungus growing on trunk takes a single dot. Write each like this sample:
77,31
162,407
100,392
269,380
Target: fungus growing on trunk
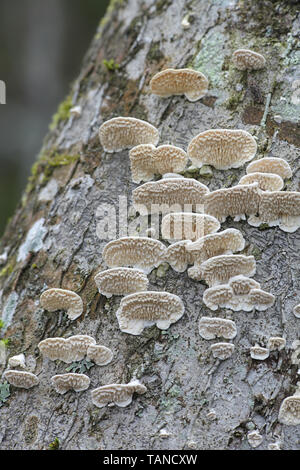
222,351
178,257
140,252
289,412
21,379
273,165
121,281
62,383
222,148
162,195
296,311
147,161
266,181
119,394
100,355
188,226
211,328
276,343
67,350
188,82
259,353
121,133
143,309
17,361
61,299
245,59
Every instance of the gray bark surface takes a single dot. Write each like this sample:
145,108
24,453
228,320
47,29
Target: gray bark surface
52,239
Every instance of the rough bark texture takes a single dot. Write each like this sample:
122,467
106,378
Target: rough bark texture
73,176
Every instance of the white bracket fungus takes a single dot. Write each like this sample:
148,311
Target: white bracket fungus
188,82
178,257
62,383
61,299
147,161
119,394
222,148
223,243
121,133
273,165
211,328
162,195
188,226
140,252
245,59
276,343
254,438
280,208
222,351
17,361
100,355
67,350
296,311
220,269
143,309
21,379
259,353
266,181
121,281
237,202
289,412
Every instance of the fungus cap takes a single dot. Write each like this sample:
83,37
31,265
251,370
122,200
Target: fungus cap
237,202
289,412
61,299
62,383
219,269
100,355
222,351
276,343
223,243
120,394
222,148
211,328
242,285
266,181
67,350
147,161
261,299
121,281
259,353
296,311
121,133
21,379
143,253
188,82
254,438
245,59
143,309
178,257
188,226
162,195
273,165
17,361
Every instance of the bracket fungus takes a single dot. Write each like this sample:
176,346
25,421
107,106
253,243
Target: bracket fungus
211,328
147,161
100,355
188,226
178,257
17,361
296,311
160,196
254,438
188,82
121,133
222,351
289,412
222,148
276,343
259,353
67,350
280,208
61,299
223,243
245,59
62,383
219,269
266,181
273,165
143,309
237,202
121,281
119,394
21,379
143,253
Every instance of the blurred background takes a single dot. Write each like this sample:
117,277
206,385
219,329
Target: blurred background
42,44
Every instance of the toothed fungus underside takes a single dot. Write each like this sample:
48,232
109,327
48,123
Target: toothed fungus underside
21,379
273,165
211,328
61,299
222,148
121,133
266,181
68,350
143,309
188,226
121,281
188,82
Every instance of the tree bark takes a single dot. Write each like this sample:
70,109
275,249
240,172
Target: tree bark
52,239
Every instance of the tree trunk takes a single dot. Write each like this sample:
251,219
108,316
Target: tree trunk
54,238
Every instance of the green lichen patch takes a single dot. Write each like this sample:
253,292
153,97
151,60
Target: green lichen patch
80,367
209,59
4,393
62,114
110,65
